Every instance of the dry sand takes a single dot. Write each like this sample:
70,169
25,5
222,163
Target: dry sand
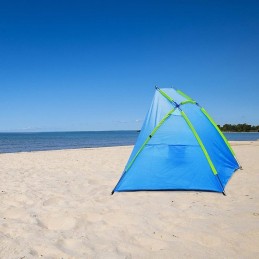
57,204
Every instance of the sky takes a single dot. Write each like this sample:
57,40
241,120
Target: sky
93,65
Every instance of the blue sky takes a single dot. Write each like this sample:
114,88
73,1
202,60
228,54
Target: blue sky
93,65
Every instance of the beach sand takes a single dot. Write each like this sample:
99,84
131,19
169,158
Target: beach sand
57,204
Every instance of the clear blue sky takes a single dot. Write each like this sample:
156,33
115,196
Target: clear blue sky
93,65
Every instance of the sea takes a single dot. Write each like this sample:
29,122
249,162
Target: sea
38,141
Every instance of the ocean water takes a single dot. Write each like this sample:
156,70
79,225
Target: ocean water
26,142
244,136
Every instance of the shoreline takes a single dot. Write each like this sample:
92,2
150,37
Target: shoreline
64,149
232,142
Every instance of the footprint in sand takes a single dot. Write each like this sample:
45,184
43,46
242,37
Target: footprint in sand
57,221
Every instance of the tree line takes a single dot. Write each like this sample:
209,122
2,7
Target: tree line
239,128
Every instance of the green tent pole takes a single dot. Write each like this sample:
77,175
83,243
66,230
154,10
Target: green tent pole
171,100
184,95
150,136
144,144
190,100
203,148
220,133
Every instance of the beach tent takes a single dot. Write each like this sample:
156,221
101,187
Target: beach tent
179,147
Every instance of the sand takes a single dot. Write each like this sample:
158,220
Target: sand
57,204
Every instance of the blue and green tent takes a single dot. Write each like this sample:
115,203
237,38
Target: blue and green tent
179,147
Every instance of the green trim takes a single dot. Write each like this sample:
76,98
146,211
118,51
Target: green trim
188,101
200,143
184,95
217,128
165,95
149,137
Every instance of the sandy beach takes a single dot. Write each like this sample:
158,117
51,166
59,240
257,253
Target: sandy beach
57,204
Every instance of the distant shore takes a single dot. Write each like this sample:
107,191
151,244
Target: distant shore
240,132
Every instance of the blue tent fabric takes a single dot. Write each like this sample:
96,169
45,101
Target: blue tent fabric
172,159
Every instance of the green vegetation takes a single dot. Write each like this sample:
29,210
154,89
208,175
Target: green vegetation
239,128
